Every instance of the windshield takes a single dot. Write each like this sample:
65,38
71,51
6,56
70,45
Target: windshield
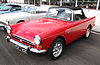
29,9
60,13
6,8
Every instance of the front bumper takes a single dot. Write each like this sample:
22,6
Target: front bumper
25,47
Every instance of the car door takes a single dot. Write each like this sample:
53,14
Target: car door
76,30
76,27
73,31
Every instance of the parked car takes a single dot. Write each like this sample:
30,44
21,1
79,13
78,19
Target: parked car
28,13
61,26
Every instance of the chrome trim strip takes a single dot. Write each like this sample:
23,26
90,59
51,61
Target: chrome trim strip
19,44
53,35
37,51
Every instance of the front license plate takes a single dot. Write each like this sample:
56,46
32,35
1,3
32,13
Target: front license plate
21,49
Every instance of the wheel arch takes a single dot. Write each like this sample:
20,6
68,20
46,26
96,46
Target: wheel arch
51,39
59,36
90,26
62,37
20,21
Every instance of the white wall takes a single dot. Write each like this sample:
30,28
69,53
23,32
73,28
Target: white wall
91,13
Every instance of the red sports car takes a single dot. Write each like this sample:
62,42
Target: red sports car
50,34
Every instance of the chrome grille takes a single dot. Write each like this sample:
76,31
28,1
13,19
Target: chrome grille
22,40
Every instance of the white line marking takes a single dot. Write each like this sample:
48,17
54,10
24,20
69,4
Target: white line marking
95,33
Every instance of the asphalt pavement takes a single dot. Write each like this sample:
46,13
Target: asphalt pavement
79,52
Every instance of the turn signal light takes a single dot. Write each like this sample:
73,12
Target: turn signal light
8,24
9,35
39,47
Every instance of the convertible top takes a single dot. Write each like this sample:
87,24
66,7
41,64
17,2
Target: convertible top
72,8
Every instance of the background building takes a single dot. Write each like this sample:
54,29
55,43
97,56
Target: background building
39,2
78,3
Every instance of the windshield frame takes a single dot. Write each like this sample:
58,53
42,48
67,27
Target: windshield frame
72,12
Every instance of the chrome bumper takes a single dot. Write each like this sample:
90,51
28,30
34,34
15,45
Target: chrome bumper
25,47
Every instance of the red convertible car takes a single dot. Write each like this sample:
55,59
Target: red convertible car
50,34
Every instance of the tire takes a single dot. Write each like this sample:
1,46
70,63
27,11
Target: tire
56,48
88,32
5,29
1,28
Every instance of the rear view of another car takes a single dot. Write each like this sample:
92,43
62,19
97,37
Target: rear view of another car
7,8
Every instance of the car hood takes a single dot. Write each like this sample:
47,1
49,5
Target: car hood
39,27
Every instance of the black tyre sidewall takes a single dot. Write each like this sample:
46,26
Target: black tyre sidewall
86,32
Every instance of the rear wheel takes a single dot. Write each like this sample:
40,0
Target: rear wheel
88,32
55,49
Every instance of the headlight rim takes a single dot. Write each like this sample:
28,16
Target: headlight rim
8,28
38,38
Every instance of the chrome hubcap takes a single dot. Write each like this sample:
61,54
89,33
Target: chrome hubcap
57,49
88,32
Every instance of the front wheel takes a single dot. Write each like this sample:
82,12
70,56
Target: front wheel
55,49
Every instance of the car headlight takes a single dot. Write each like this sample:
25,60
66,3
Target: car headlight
8,29
37,40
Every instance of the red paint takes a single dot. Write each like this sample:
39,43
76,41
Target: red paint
48,29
